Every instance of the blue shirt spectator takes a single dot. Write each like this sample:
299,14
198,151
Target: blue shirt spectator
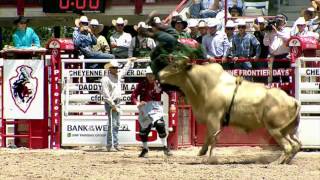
244,46
84,40
24,37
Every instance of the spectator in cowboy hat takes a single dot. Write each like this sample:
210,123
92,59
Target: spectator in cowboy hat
84,39
244,44
193,26
120,40
229,29
202,27
102,44
24,37
111,91
216,43
235,11
141,46
259,32
180,25
303,32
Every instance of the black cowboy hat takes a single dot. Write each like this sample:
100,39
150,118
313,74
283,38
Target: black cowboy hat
21,19
236,8
179,19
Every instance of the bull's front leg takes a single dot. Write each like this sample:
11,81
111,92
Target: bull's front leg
204,149
213,129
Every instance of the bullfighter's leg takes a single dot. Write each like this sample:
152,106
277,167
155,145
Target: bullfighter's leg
284,144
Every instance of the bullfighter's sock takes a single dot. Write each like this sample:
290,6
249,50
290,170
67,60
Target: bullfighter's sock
164,141
145,145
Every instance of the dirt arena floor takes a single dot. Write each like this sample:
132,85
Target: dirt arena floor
89,163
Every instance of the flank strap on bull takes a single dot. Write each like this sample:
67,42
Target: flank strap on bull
226,119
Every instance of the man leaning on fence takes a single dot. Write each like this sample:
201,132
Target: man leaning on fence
111,90
84,40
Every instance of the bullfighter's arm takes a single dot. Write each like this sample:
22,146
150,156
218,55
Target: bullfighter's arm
135,94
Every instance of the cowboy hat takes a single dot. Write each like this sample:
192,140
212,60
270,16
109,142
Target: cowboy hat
112,63
141,25
202,23
21,19
193,23
213,22
95,26
82,19
120,20
241,22
149,70
179,20
230,24
301,21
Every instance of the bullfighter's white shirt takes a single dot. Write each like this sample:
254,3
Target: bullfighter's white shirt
111,85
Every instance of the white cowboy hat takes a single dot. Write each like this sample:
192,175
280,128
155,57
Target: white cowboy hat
112,63
157,20
213,22
202,23
261,20
82,19
141,25
95,26
193,23
241,22
120,20
149,70
301,21
230,24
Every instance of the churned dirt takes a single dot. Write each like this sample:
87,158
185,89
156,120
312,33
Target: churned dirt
91,163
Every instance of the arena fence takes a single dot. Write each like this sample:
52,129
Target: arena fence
307,79
74,114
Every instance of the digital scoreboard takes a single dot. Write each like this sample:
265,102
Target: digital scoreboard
63,6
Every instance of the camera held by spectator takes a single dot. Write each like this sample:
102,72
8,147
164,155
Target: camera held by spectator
277,23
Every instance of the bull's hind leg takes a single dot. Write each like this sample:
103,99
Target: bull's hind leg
284,144
295,147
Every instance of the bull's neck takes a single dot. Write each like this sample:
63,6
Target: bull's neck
191,89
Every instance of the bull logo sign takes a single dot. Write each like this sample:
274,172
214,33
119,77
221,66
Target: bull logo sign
23,87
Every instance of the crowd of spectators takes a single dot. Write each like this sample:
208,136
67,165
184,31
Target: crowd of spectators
241,37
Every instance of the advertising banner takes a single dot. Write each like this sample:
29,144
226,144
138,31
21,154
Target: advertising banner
94,132
23,89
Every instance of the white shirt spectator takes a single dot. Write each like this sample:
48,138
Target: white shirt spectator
277,41
121,39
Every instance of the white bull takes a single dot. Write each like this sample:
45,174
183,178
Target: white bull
210,89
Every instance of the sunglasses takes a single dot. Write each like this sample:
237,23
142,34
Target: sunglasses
85,23
229,28
241,27
120,25
113,67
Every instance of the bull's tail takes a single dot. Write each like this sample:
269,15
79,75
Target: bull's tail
292,127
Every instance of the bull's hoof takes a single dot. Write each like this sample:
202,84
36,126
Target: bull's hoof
203,151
